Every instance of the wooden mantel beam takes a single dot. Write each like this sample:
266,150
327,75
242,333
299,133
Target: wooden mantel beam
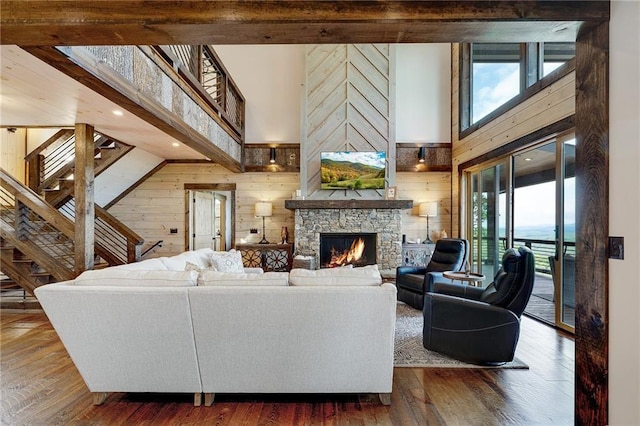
117,22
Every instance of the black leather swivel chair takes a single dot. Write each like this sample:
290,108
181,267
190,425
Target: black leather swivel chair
479,325
450,254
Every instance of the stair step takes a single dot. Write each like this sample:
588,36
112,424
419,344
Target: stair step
9,284
18,299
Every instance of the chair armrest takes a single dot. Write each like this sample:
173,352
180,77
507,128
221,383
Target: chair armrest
458,290
401,270
463,313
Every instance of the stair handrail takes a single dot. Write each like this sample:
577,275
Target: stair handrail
134,241
37,204
24,233
60,134
114,241
156,244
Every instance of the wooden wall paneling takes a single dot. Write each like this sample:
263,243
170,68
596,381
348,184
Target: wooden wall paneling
420,187
551,105
347,106
13,147
159,203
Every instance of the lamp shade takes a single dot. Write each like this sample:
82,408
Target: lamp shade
430,208
264,209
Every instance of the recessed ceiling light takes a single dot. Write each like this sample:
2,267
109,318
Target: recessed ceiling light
527,159
118,112
175,144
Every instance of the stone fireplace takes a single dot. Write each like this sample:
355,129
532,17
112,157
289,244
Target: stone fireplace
381,218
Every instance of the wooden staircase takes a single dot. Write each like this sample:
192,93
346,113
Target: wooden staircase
37,238
51,166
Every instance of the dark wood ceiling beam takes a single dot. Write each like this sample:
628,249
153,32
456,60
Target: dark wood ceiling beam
38,22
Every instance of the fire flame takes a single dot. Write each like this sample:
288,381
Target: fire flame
348,256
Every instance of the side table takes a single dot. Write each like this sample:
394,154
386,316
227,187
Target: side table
472,278
416,254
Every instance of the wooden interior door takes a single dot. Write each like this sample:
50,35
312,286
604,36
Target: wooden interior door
204,234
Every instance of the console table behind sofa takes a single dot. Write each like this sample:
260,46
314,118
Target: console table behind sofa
269,257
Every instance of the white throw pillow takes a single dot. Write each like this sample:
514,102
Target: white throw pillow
366,275
193,267
217,278
126,278
227,261
201,257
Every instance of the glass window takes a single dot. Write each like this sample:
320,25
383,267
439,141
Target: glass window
495,76
556,54
492,74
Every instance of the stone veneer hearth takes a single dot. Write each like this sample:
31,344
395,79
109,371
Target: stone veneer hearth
385,222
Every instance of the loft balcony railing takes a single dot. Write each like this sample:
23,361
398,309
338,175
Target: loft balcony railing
201,68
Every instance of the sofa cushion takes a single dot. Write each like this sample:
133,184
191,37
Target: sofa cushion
200,257
227,261
366,275
154,264
126,278
217,278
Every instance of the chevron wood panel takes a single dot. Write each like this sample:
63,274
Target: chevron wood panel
348,106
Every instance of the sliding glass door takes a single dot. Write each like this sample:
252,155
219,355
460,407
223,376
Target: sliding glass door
488,194
528,198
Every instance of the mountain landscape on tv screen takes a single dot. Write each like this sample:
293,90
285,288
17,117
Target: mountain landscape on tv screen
350,174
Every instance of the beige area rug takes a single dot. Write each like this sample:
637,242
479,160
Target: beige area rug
409,351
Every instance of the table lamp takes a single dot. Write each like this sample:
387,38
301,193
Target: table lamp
263,210
428,209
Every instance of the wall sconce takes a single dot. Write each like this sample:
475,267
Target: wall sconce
272,155
422,154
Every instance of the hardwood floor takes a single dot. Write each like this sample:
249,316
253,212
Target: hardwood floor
40,386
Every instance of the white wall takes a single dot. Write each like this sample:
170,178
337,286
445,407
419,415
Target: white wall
423,93
270,77
624,211
122,174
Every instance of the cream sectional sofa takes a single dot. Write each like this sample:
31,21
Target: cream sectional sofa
144,328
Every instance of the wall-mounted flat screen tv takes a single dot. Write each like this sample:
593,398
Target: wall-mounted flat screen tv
353,170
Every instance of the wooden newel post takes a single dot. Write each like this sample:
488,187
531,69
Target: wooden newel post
84,198
34,174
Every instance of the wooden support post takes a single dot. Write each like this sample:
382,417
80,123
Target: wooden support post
84,198
34,168
592,225
197,399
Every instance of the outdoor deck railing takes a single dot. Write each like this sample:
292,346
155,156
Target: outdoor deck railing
541,248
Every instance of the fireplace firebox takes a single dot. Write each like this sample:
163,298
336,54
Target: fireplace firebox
341,249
